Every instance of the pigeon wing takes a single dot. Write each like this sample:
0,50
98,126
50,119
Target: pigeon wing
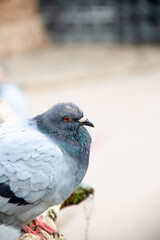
28,159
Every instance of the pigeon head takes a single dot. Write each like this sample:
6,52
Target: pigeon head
63,118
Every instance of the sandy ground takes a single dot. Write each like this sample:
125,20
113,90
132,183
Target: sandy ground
125,157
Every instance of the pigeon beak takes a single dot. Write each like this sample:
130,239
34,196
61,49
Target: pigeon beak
85,121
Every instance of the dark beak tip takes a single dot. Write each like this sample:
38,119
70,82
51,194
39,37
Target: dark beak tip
88,123
92,125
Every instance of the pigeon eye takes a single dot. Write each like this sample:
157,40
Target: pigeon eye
66,119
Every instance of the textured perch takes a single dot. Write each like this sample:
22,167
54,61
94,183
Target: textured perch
80,194
50,216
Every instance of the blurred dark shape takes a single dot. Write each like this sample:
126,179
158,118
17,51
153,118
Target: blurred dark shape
105,21
139,21
12,94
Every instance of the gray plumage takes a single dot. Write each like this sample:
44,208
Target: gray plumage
42,161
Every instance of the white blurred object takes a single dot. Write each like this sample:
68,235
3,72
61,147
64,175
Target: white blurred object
6,113
12,94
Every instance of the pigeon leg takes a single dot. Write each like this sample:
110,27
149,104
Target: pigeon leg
38,223
28,229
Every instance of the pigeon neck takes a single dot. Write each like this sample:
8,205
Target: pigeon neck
76,143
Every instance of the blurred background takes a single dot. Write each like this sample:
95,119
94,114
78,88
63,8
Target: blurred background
105,57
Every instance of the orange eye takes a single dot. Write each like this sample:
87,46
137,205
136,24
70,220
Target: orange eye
66,119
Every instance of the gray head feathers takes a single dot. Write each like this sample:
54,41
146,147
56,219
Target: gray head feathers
61,110
63,118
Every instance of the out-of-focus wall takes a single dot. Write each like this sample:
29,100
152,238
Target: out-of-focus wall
111,21
21,27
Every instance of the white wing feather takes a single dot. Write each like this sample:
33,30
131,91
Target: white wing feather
27,160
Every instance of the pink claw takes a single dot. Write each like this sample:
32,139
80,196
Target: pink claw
28,229
44,226
37,222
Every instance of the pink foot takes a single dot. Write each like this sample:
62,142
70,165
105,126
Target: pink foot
44,226
28,229
37,222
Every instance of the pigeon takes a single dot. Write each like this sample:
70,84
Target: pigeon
42,161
